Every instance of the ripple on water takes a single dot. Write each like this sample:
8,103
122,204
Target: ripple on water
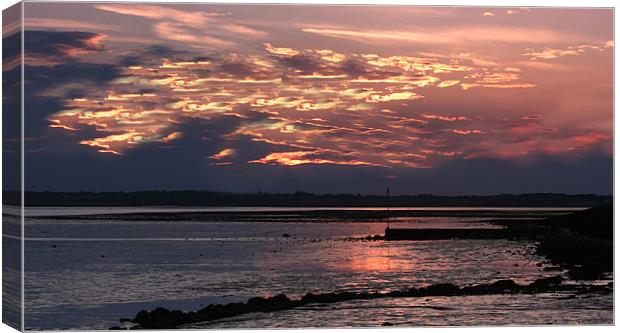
115,279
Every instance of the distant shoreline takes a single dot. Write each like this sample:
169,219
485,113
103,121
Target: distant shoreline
297,199
290,214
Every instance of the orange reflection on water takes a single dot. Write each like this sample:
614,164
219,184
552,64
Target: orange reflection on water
379,257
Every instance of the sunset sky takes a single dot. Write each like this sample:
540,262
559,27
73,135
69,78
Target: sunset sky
318,98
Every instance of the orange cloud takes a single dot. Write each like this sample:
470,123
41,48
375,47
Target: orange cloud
171,137
470,34
444,118
467,132
310,106
448,83
550,53
302,157
226,153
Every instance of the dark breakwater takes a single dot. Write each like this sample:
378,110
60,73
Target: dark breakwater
581,243
442,234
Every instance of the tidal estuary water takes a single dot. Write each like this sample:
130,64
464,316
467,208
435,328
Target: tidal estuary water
83,273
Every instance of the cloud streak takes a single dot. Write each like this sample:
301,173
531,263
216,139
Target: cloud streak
470,34
201,29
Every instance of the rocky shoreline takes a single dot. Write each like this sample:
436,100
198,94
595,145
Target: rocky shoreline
162,318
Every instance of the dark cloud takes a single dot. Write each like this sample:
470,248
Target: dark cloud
236,69
11,116
60,44
304,64
356,69
133,60
71,80
54,73
153,54
11,46
183,164
40,78
163,51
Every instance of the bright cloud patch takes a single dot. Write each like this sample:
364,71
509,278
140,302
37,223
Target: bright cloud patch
309,106
551,53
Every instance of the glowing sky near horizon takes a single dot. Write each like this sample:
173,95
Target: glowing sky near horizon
370,86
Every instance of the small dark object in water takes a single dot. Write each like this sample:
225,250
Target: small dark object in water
387,323
102,256
286,235
54,245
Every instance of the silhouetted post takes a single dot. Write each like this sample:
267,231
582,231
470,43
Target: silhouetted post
387,192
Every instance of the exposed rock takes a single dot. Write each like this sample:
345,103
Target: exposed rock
161,318
441,289
504,285
546,282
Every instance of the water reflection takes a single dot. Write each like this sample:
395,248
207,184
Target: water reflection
377,257
117,279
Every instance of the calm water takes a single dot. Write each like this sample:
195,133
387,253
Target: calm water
87,274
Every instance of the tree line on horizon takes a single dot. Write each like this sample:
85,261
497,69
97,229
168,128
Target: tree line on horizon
303,199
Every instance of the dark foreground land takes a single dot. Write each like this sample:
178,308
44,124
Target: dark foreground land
581,243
